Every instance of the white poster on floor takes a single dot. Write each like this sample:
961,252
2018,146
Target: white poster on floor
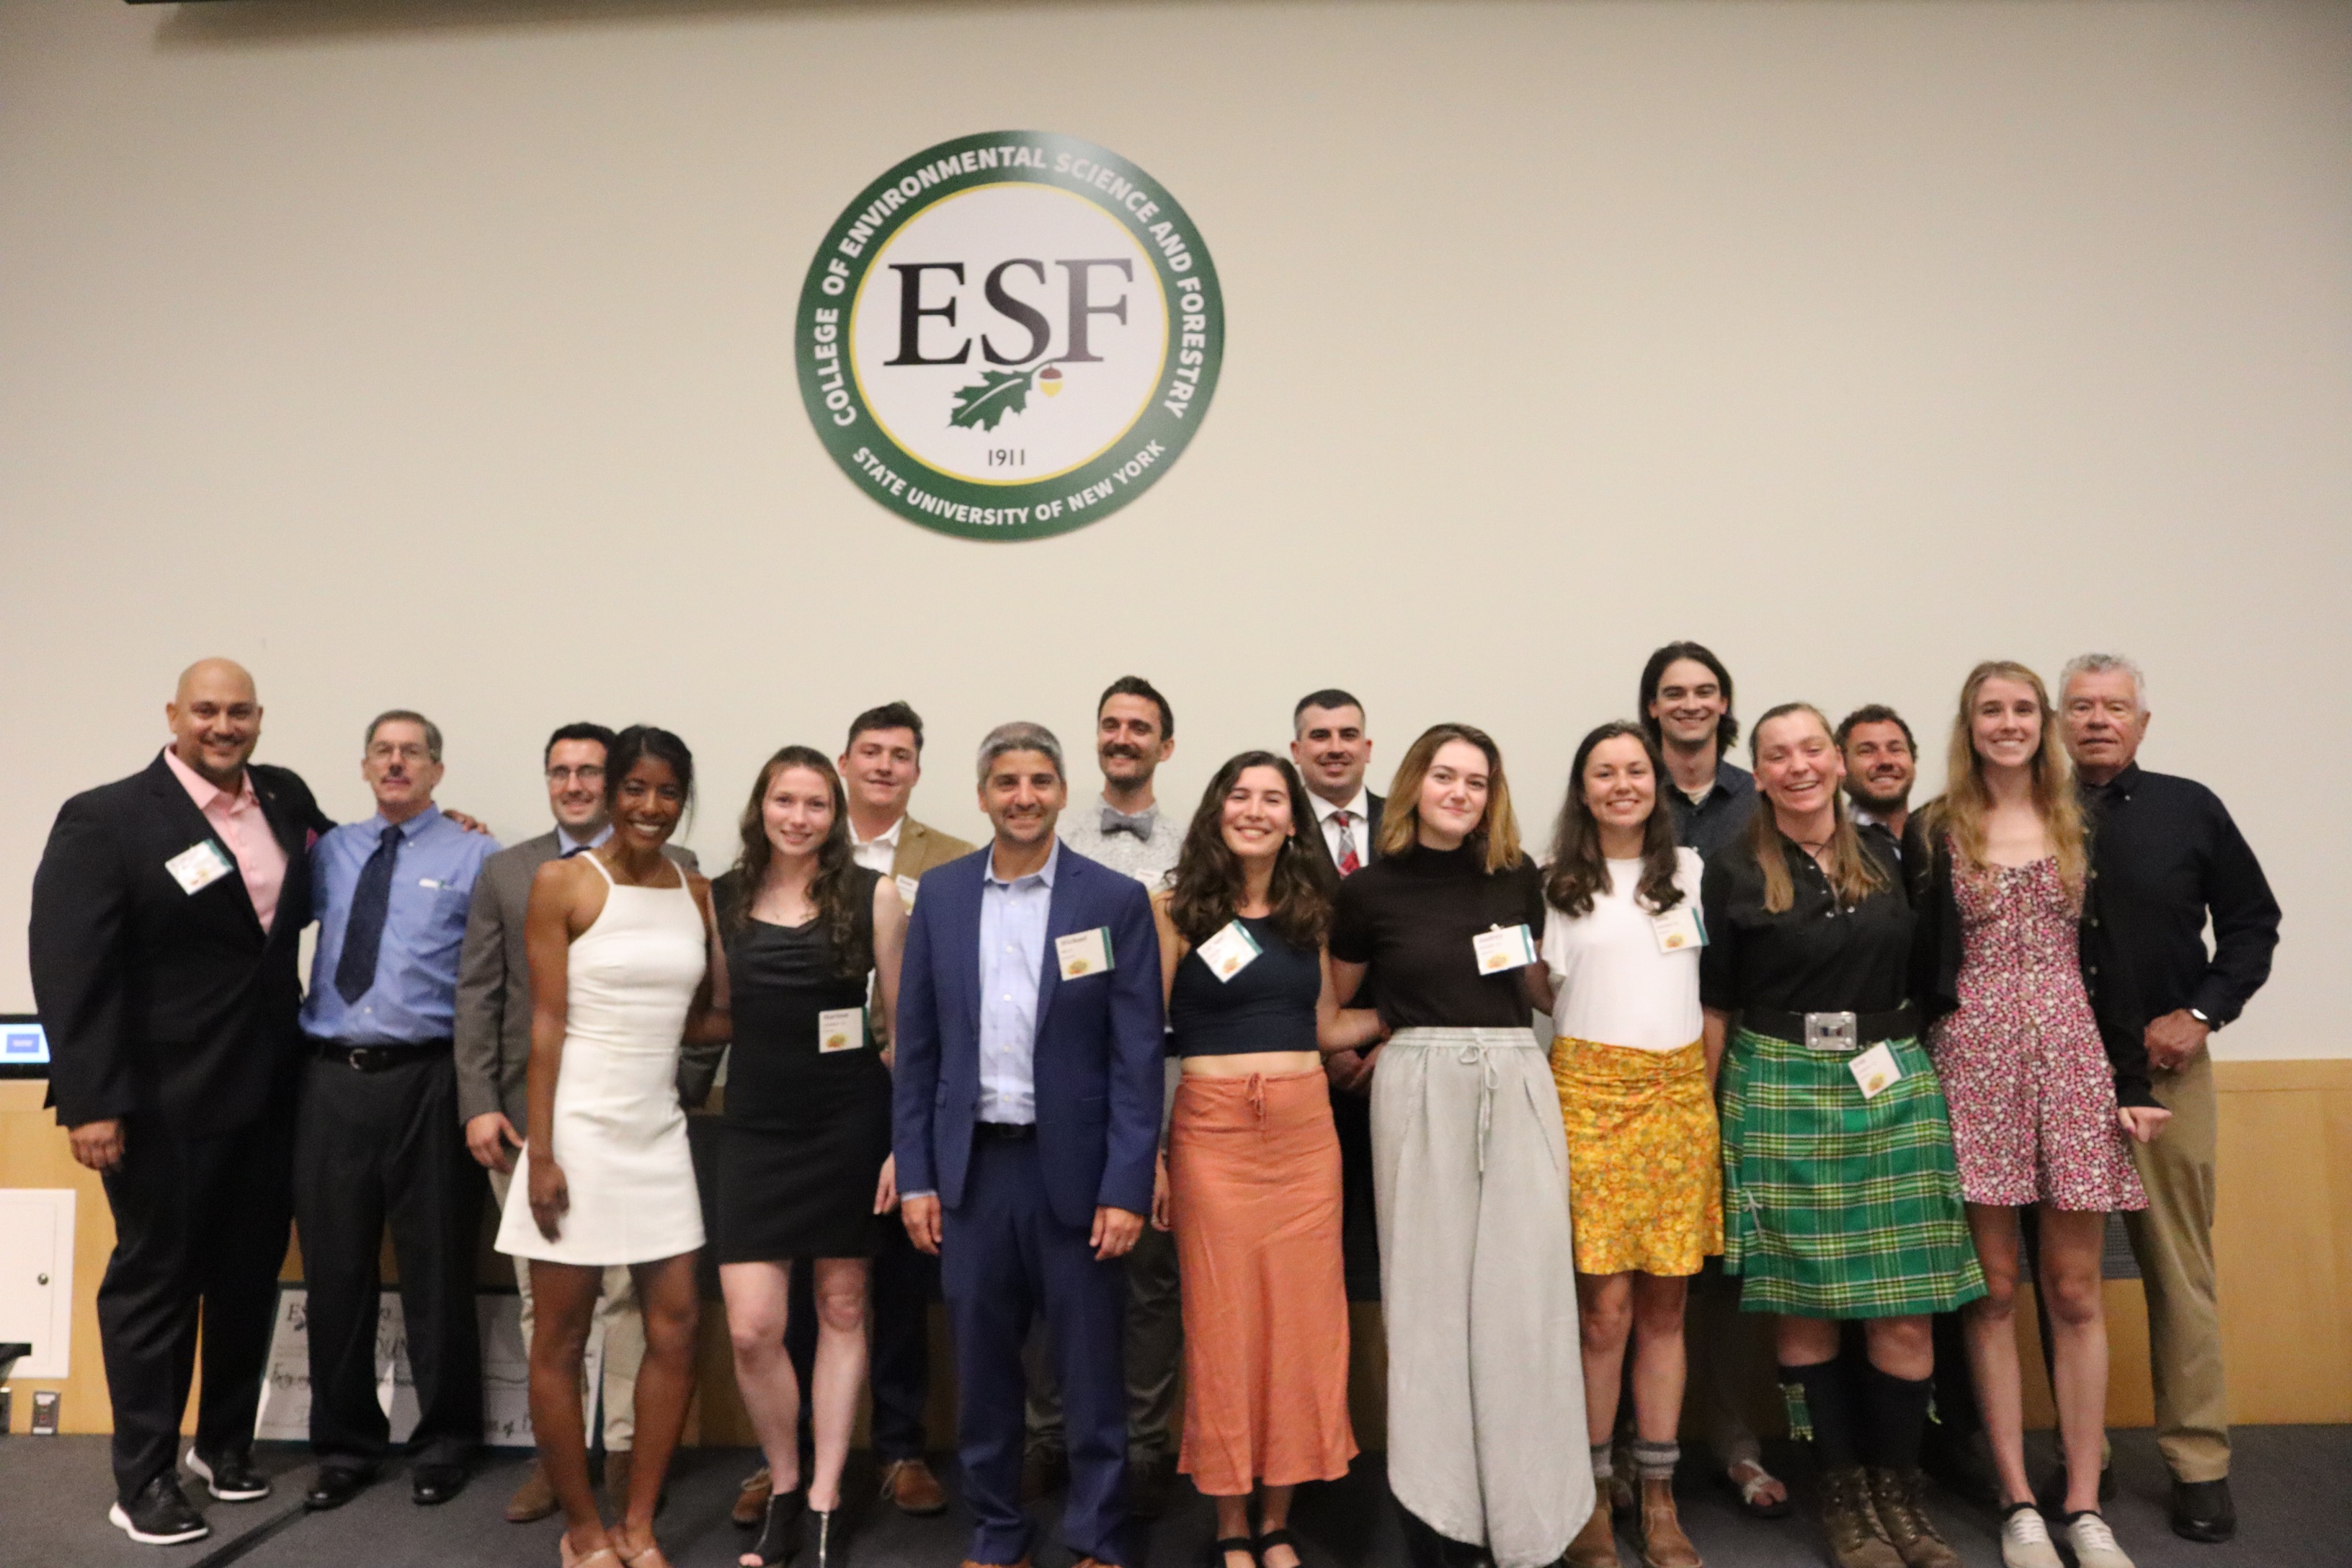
285,1414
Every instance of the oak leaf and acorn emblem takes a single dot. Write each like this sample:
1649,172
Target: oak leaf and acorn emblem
999,393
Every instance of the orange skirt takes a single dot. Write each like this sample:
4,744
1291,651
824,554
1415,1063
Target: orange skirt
1254,1184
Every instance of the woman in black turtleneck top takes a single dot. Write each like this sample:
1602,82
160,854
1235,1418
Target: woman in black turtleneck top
1470,1166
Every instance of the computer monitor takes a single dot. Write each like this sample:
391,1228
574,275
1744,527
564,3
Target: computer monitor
24,1046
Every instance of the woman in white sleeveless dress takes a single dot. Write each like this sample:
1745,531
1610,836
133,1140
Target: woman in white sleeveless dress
620,943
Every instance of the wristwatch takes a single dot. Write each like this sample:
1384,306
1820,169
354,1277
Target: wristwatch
2203,1017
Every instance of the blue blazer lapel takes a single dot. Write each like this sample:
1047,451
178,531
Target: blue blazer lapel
1062,918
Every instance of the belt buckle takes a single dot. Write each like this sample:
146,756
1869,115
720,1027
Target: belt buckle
355,1058
1832,1032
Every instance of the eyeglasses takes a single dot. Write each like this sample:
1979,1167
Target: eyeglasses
588,774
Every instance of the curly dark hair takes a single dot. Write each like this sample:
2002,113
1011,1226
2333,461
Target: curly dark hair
1208,885
1578,870
832,890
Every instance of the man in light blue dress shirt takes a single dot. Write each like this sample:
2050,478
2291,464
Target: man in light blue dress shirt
1026,1106
378,1138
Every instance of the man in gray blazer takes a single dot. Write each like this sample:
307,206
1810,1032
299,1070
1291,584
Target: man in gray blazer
493,1054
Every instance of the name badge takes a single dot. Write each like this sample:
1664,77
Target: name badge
906,886
1875,1070
1499,948
1679,928
1229,952
840,1029
1084,952
199,865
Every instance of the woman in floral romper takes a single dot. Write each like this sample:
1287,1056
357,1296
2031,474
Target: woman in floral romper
2039,1047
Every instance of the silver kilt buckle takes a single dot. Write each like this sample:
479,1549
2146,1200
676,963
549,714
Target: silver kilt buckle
1832,1032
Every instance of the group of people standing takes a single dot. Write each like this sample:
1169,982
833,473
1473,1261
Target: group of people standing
1120,1081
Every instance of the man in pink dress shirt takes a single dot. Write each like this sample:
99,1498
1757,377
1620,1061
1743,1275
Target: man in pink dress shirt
167,915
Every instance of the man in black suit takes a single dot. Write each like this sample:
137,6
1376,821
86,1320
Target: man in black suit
1330,746
167,913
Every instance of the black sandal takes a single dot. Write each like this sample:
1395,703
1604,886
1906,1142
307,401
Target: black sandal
1241,1544
1275,1538
779,1529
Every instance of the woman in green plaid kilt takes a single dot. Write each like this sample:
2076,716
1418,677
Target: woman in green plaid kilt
1841,1196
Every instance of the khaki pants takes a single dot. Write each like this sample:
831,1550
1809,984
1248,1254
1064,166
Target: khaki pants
2173,1240
624,1336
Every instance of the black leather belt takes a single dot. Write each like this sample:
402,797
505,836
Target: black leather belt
1004,1132
1831,1031
376,1058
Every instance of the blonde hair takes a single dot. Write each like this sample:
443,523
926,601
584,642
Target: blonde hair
1498,832
1959,813
1853,873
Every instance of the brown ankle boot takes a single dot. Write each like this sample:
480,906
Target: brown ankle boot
1855,1538
1663,1544
1595,1545
1895,1495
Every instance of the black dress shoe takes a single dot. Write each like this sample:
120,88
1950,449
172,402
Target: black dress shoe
431,1485
230,1477
159,1515
2202,1510
334,1486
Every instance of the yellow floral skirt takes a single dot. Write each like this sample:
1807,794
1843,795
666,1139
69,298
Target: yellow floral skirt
1644,1157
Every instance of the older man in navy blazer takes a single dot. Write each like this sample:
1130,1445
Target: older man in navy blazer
1028,1097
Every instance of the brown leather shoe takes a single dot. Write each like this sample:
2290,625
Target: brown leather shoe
1898,1498
751,1502
535,1499
1663,1544
974,1562
1595,1545
912,1489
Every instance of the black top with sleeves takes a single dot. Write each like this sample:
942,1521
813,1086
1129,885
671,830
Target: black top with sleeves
1939,946
1815,956
2169,854
1267,1005
1413,916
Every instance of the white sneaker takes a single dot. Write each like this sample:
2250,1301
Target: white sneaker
2093,1543
2025,1539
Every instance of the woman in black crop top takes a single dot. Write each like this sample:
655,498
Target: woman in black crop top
804,1169
1253,1160
1469,1166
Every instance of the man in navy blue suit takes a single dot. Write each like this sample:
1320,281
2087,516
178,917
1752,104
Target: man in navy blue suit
1027,1111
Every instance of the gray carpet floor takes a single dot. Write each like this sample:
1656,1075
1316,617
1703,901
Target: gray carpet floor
2292,1484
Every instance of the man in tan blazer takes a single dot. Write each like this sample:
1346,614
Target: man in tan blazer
492,1046
880,764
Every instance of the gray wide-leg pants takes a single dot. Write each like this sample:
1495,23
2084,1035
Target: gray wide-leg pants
1487,1438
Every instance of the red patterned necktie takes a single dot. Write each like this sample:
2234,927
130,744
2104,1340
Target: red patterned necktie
1348,863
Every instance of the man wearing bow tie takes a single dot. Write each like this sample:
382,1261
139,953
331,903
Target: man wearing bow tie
1135,732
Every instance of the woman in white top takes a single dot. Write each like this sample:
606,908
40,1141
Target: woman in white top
622,973
1620,977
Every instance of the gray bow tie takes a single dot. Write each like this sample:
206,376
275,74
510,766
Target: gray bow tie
1141,824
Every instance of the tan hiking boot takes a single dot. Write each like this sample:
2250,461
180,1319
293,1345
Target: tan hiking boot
1663,1544
1899,1497
1855,1538
1595,1545
535,1499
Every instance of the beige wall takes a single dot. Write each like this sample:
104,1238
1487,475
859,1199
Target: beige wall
436,353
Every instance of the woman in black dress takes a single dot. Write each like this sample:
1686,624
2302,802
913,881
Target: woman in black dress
805,1167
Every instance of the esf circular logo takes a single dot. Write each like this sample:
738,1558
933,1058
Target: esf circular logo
1010,335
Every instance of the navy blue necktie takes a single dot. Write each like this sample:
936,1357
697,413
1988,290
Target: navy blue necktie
364,935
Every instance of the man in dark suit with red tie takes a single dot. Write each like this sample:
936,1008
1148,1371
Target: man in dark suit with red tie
1333,749
167,914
